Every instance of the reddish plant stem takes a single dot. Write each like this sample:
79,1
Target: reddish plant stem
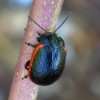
45,13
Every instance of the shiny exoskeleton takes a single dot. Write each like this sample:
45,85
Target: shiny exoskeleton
48,58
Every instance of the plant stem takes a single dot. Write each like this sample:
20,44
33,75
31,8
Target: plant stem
45,13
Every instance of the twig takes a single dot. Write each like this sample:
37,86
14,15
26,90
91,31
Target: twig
45,13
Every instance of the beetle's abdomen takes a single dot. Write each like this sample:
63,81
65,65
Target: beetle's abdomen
48,65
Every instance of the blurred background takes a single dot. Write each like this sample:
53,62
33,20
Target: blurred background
81,77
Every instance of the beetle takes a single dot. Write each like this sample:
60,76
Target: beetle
48,58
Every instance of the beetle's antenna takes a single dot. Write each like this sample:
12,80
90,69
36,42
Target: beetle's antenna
37,23
63,22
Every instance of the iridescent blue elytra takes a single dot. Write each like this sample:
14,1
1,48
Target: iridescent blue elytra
48,58
49,61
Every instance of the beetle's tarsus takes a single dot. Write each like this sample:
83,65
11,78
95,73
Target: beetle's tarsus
25,77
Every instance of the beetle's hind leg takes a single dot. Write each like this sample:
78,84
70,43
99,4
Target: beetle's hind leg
27,64
29,44
26,67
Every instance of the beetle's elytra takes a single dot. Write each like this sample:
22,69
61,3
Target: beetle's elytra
48,58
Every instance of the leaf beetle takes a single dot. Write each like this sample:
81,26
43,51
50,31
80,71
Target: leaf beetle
48,58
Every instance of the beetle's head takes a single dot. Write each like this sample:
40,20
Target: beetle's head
51,39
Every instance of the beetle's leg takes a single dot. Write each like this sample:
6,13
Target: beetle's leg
39,33
29,44
25,77
26,67
27,64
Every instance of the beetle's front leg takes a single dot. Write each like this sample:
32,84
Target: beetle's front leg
29,44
